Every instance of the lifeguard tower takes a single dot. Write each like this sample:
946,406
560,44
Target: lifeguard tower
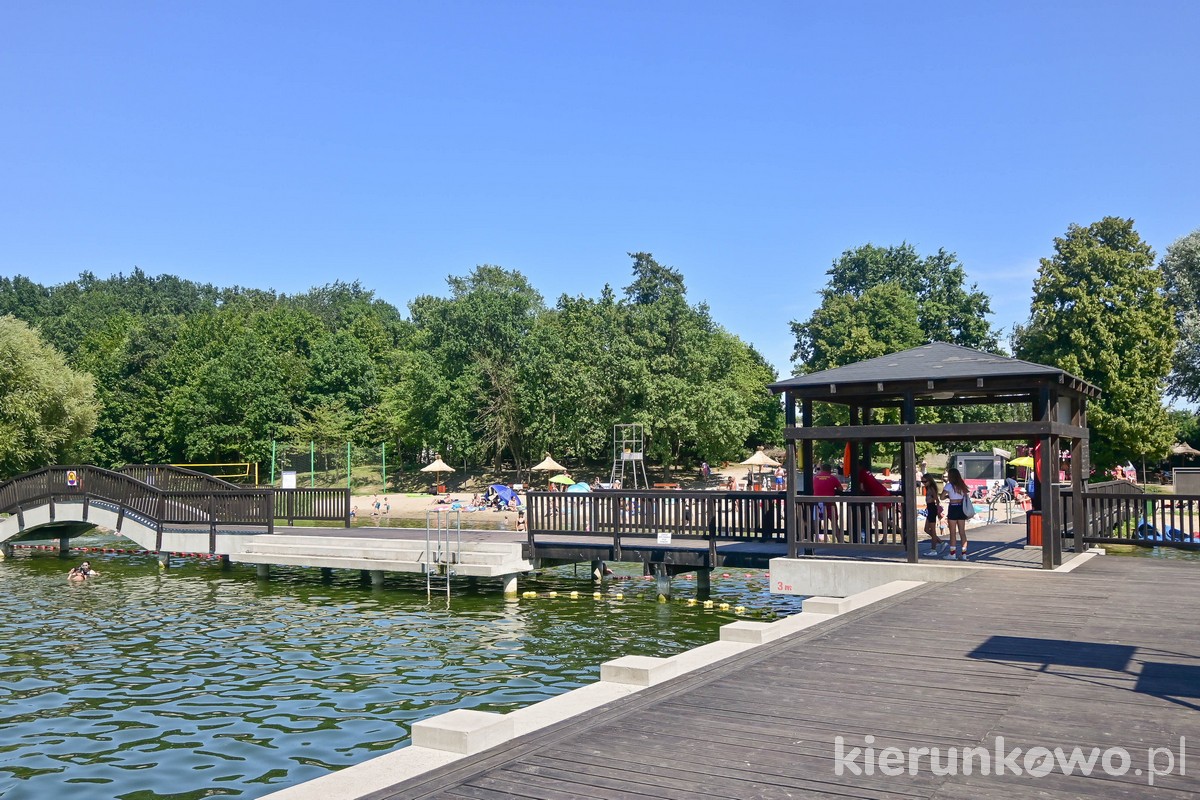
629,465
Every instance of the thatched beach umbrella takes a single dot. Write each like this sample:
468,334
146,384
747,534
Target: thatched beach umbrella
438,466
760,460
548,464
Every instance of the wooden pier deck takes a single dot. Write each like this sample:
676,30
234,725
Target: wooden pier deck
1105,656
999,544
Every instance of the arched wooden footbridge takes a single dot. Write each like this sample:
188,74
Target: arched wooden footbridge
159,507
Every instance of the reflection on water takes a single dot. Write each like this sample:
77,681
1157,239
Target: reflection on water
198,682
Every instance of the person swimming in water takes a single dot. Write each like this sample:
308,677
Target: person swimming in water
82,572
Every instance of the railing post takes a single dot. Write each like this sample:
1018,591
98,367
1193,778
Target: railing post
161,512
212,525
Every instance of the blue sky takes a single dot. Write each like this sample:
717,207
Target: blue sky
286,145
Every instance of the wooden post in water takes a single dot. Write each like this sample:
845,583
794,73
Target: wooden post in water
597,571
703,583
263,571
6,550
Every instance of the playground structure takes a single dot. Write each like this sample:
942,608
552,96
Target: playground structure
629,446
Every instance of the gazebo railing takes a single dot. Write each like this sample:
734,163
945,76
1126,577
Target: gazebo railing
690,514
859,521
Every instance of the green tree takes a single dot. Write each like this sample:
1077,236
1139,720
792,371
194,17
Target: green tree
947,310
475,338
881,300
698,391
46,408
1100,312
1181,274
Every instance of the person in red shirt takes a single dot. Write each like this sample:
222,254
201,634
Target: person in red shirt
825,484
873,487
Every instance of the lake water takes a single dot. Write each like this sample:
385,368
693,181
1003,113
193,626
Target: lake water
198,682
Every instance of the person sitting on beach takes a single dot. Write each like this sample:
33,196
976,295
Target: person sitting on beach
82,572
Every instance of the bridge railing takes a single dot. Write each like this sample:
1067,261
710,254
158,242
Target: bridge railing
172,478
176,502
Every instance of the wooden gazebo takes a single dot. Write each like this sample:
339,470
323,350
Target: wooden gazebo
932,375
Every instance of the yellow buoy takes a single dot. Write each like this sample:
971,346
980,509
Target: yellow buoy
691,601
529,594
619,596
596,595
724,606
708,603
739,609
553,594
574,595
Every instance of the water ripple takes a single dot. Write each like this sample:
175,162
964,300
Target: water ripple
201,682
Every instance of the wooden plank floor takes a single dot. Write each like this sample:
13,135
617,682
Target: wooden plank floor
1106,656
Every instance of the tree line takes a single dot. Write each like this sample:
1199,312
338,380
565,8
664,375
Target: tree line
165,370
160,369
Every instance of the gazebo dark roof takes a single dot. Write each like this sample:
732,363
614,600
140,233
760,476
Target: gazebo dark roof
937,365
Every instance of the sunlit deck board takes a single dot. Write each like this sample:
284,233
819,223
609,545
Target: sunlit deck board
1107,655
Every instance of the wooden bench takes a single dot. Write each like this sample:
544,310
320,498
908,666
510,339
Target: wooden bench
666,486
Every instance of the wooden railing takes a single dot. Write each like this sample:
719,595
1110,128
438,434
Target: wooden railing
321,505
1062,497
172,478
841,520
717,516
688,515
1132,517
156,505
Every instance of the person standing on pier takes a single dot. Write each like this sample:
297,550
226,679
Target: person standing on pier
933,510
956,493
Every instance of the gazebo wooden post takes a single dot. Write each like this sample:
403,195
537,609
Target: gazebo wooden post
1079,469
908,459
1044,412
789,502
859,517
806,449
1056,544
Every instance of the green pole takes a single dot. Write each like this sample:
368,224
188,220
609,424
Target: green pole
384,466
347,466
272,462
312,463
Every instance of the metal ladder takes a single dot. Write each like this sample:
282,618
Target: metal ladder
443,547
